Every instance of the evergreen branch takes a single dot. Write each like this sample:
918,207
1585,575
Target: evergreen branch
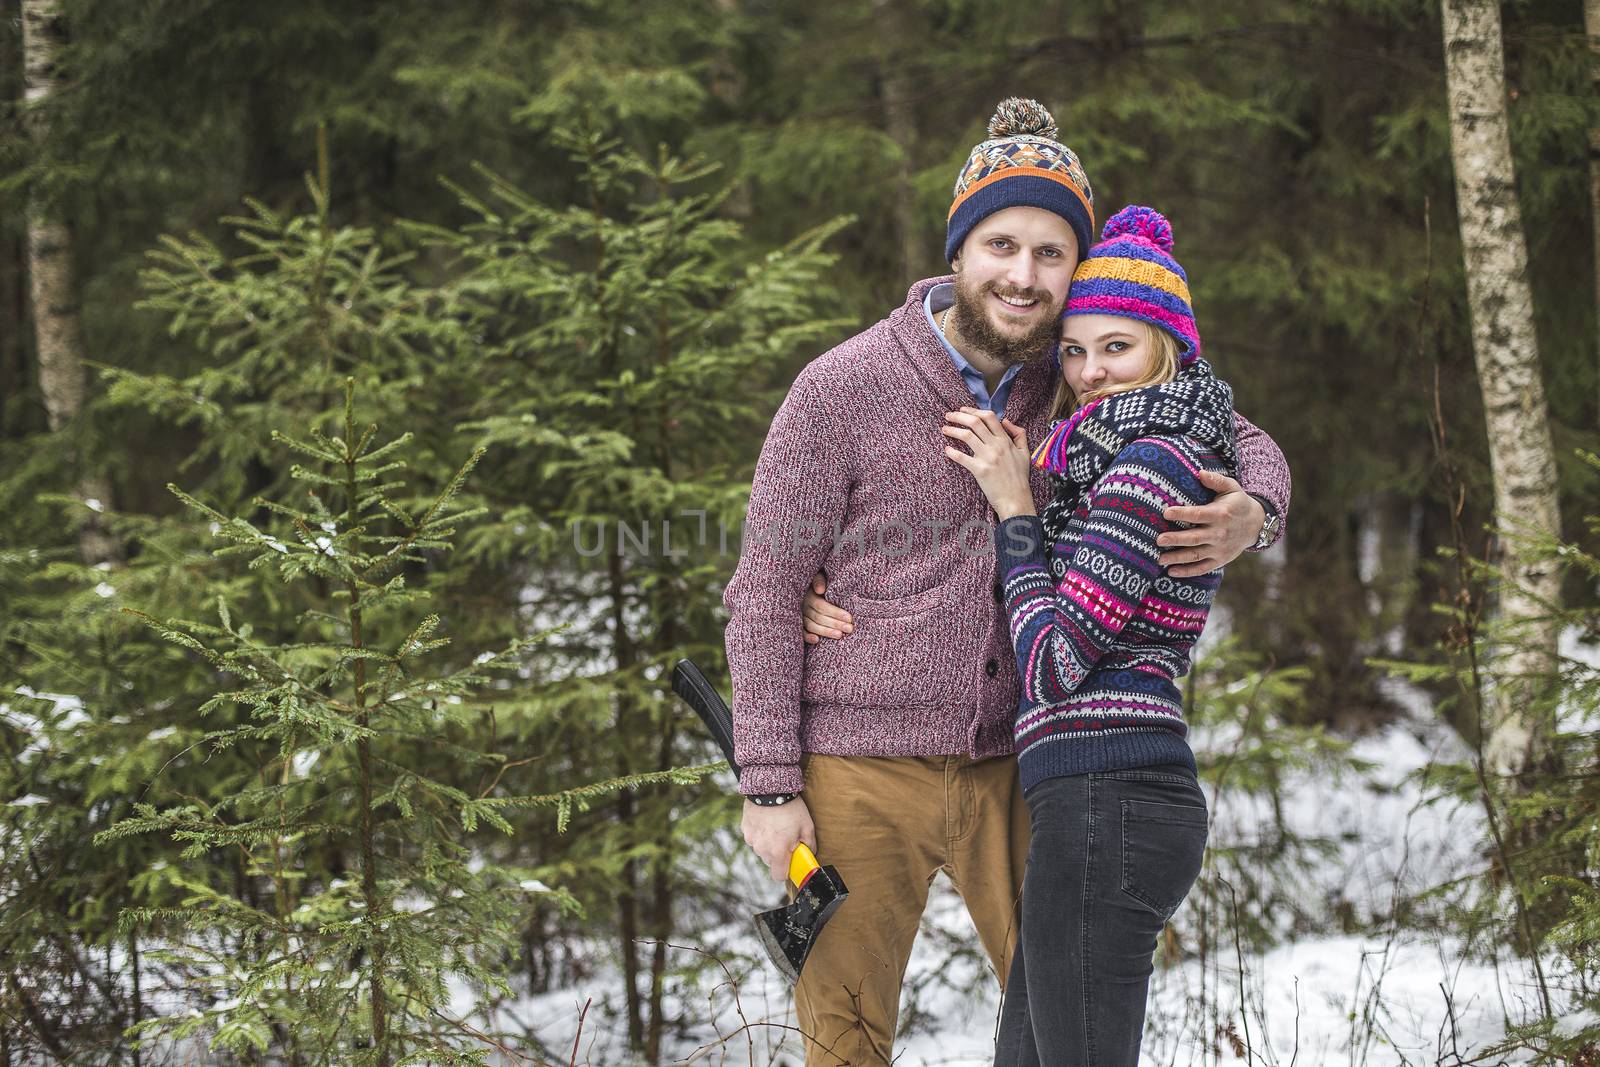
450,490
579,796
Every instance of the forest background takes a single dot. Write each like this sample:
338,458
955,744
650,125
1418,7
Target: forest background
309,729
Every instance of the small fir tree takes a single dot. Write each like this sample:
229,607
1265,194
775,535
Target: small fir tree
356,969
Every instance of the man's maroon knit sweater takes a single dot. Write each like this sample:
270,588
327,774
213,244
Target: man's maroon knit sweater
853,481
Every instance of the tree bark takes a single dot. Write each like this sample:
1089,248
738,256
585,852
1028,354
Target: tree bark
628,897
628,927
58,340
55,308
728,84
661,890
13,279
138,994
372,896
1522,457
900,123
13,314
1591,27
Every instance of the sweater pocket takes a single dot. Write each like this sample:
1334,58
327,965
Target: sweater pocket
910,650
895,608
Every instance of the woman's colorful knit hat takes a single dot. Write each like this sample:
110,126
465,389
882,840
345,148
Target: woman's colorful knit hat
1020,165
1131,273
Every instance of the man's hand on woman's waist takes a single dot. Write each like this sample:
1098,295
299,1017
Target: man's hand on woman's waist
824,618
1218,532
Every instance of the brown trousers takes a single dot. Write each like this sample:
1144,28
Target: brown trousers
890,825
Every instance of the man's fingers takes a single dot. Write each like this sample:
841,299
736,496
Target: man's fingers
819,584
1194,570
1180,556
825,612
776,853
1176,538
812,638
1198,514
823,629
821,615
1219,483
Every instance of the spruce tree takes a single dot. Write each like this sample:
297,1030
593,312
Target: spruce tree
623,350
356,969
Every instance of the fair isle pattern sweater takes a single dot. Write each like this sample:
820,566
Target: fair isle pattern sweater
1100,632
853,480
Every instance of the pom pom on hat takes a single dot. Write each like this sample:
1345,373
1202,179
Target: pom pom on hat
1142,222
1020,117
1131,273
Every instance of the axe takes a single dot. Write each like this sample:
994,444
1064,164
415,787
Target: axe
787,933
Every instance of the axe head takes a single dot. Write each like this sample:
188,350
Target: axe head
788,933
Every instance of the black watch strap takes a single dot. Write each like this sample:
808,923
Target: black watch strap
1269,526
1266,505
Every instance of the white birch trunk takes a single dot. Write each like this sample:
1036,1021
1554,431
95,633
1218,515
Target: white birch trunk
51,289
1522,459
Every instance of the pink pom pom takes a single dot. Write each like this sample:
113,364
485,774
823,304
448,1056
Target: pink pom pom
1145,223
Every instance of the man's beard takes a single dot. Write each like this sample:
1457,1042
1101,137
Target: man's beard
973,325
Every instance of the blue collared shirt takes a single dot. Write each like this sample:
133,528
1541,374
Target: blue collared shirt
940,297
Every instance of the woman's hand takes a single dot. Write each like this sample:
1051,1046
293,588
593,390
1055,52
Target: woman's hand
999,458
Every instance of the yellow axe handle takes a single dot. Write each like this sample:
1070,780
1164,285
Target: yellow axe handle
802,864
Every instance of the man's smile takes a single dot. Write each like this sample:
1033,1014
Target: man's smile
1024,302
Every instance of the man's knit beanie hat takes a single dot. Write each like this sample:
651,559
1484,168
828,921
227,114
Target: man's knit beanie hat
1020,165
1131,273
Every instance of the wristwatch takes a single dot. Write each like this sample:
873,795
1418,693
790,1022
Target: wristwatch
1269,526
770,800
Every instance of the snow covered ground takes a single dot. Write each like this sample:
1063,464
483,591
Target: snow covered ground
1342,983
1320,996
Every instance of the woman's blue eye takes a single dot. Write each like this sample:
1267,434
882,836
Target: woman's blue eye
1117,346
1073,350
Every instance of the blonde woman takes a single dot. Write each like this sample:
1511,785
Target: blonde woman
1101,635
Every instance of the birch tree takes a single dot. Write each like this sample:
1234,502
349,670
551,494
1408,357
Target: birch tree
1505,348
51,289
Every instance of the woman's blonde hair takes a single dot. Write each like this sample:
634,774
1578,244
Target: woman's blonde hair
1163,368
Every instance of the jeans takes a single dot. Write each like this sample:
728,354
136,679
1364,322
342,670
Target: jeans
1112,856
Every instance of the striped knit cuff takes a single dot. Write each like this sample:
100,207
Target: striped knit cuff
1019,542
